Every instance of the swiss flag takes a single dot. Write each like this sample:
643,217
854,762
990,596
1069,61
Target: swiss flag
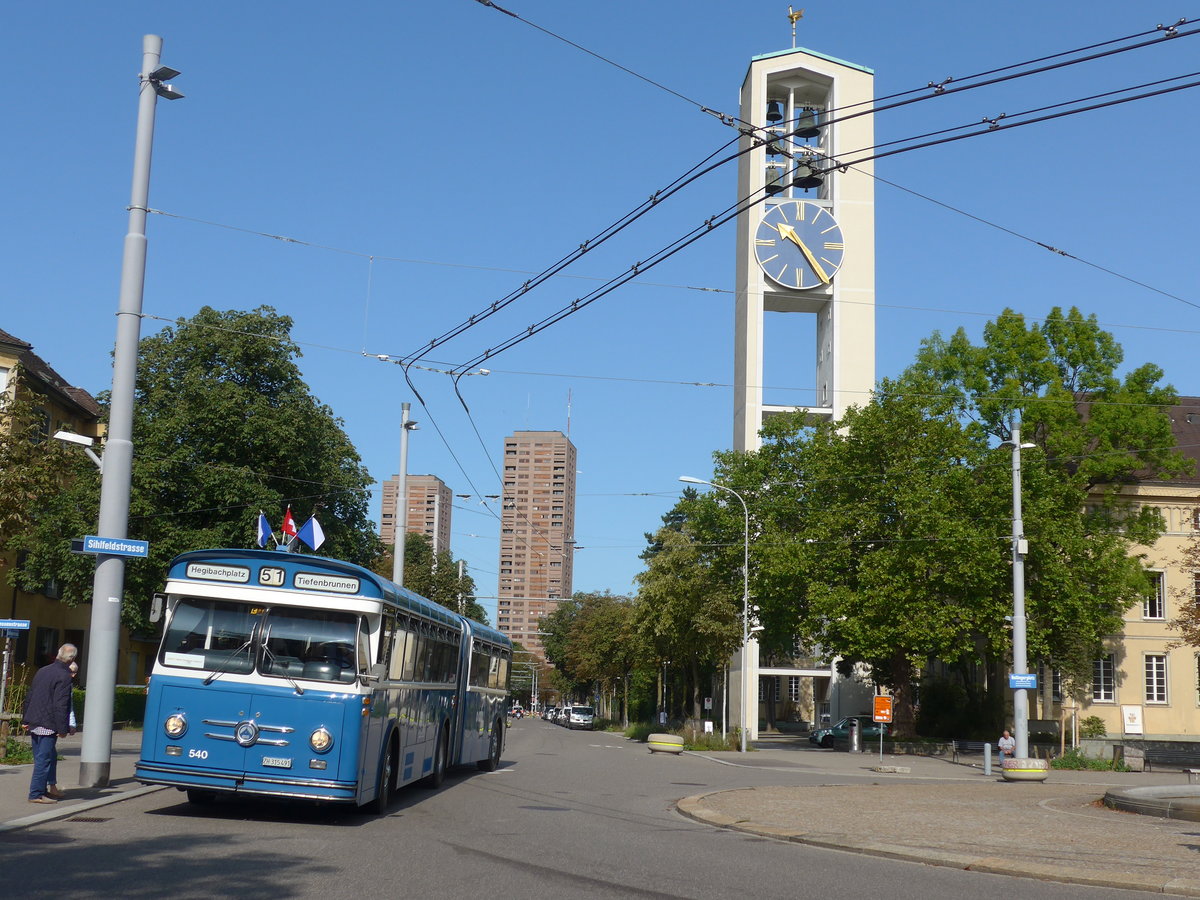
289,524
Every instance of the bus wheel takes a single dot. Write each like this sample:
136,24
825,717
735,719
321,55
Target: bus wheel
492,763
383,796
435,778
201,798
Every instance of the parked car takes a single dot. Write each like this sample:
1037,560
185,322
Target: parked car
564,715
824,737
581,717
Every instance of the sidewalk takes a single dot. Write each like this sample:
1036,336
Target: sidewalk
940,813
17,812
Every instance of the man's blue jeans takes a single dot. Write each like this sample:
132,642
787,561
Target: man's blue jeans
45,764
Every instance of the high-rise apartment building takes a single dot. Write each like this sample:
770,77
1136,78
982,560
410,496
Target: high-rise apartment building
429,502
537,531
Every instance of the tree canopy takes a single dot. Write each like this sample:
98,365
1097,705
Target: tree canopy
885,537
224,426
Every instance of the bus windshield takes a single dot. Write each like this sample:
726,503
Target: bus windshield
281,641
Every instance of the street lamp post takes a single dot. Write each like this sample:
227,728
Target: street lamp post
108,583
401,518
746,629
1020,547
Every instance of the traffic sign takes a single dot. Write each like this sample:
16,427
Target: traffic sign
882,711
102,546
14,624
1023,681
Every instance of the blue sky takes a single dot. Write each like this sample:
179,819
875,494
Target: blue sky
464,149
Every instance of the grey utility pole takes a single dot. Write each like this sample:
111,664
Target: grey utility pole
116,474
402,496
1019,548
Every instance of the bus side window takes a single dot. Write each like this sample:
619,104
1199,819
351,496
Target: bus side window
364,646
396,669
453,651
447,659
494,669
479,666
387,626
428,652
412,653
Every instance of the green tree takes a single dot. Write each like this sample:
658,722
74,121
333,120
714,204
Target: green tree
885,537
685,615
33,469
880,541
224,426
1095,433
558,629
603,646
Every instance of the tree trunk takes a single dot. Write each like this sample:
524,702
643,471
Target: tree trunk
904,724
695,689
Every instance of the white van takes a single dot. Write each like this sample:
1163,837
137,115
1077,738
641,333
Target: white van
580,717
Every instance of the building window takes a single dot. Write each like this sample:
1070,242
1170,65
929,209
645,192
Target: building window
1102,679
1154,603
1197,678
794,688
1156,678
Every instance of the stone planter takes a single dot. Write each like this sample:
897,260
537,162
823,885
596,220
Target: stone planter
665,743
1017,769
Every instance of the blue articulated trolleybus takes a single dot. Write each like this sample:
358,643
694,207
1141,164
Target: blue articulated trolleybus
302,677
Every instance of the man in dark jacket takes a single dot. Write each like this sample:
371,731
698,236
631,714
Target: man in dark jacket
48,717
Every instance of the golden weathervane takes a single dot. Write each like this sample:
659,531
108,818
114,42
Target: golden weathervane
794,15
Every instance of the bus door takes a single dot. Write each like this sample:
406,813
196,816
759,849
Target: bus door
373,714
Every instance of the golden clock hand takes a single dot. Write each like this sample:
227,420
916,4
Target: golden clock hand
787,231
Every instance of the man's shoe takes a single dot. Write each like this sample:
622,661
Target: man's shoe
42,799
55,793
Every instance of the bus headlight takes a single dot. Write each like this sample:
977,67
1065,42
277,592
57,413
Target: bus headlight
175,725
320,740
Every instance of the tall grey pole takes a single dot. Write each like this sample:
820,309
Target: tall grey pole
1020,664
401,498
108,585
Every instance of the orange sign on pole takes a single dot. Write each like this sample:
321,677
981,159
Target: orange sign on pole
883,709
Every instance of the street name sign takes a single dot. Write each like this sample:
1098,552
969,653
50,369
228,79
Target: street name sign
14,624
115,546
1026,681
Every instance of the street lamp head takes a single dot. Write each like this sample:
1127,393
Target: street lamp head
688,479
72,438
1009,445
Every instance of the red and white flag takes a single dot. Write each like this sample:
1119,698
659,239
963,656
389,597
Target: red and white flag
289,524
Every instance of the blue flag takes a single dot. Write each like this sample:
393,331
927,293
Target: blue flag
312,533
264,529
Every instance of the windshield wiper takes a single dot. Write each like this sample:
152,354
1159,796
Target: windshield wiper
267,653
221,669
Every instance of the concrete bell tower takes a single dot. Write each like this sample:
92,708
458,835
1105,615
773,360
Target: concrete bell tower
808,248
818,110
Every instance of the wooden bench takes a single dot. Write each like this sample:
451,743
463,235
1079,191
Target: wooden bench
957,747
1180,759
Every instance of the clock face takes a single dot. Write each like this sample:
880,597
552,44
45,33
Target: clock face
799,244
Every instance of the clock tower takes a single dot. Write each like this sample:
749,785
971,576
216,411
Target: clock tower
807,248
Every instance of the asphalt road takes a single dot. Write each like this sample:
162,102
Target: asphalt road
569,814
